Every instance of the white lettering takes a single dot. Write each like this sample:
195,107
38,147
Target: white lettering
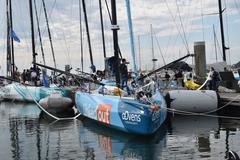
131,117
156,115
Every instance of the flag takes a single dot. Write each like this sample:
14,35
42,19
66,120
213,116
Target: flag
15,37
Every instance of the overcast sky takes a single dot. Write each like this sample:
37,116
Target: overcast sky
177,24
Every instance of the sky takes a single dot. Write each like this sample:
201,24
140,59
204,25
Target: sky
176,25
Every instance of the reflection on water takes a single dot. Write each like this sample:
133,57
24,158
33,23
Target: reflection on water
192,133
25,136
112,143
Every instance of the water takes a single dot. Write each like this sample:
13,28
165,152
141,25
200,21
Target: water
23,136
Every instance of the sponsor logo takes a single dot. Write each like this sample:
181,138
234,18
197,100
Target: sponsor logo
131,117
89,110
103,113
48,92
5,90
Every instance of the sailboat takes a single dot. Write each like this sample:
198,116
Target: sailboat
23,92
130,114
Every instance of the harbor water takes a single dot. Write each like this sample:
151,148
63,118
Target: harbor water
27,135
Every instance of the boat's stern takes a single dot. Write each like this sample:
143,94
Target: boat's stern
125,114
142,118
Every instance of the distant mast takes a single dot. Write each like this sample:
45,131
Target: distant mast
139,56
222,30
215,41
153,56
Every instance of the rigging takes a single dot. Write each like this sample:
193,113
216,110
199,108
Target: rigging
39,33
49,33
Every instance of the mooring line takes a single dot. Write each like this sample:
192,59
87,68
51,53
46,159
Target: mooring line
223,105
187,113
208,78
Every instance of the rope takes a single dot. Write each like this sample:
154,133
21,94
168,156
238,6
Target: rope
198,114
49,114
181,24
183,38
49,33
208,78
108,10
224,105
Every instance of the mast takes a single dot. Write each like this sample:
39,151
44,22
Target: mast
131,38
103,38
87,30
11,39
222,30
81,37
49,34
9,61
115,29
32,32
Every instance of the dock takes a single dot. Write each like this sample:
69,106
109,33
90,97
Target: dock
231,101
234,98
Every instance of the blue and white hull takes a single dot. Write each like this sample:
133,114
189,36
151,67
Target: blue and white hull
123,113
19,92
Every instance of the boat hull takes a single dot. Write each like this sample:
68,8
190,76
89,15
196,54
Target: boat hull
20,92
124,114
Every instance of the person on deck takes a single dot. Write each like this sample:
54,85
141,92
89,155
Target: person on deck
167,76
124,75
141,81
34,76
214,79
24,78
180,78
